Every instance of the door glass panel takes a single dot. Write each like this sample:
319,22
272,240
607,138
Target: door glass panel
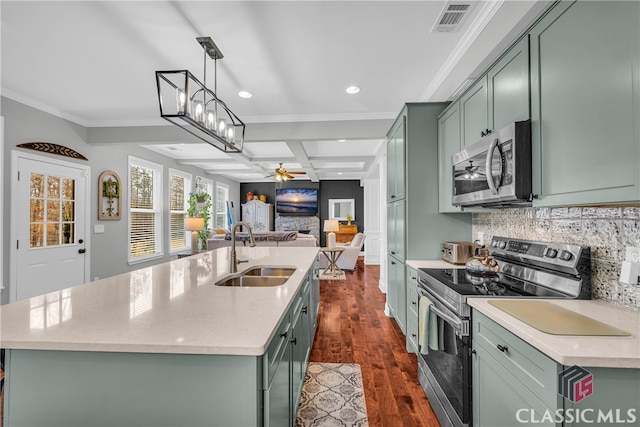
56,224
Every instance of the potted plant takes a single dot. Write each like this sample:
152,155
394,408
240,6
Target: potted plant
200,206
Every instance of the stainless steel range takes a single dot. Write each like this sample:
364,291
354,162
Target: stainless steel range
528,269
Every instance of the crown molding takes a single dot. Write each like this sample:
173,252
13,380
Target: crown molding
477,26
30,102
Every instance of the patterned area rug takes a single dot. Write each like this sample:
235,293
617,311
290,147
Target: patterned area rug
332,396
329,276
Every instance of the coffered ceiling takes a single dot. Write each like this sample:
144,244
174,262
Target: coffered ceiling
93,62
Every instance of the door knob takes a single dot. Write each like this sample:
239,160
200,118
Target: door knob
80,241
81,251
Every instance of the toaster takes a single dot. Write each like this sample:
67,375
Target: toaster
457,252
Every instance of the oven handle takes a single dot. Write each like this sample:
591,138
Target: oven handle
456,323
489,167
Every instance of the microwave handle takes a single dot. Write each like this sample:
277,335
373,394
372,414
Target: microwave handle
488,167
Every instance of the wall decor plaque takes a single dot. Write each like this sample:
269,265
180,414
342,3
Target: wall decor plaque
109,196
49,147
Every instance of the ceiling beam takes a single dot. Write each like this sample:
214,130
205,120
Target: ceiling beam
298,152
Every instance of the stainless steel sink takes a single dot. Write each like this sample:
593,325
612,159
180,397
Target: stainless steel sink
259,277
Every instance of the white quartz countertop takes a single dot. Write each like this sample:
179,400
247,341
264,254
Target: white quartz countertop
172,307
569,350
432,263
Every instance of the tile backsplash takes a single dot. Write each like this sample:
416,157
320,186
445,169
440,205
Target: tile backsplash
607,230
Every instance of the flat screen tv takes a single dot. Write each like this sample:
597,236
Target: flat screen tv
297,201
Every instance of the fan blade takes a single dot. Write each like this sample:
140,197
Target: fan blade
297,173
288,175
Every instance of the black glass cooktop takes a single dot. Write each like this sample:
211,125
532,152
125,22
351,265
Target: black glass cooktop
464,283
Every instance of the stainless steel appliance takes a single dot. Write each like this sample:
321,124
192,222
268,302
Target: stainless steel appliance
495,171
457,252
528,269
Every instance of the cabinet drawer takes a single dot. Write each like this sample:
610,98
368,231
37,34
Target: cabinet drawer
275,350
412,292
535,370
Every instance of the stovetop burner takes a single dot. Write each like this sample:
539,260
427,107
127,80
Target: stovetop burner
490,288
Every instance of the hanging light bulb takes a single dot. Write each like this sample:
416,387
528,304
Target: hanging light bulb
181,100
222,126
230,134
211,120
198,111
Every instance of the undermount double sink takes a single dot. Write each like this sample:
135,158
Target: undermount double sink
259,276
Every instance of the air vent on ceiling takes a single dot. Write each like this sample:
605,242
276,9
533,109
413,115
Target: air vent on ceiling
452,16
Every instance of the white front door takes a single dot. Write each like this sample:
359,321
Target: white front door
50,223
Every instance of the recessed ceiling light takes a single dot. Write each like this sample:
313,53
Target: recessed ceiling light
352,90
245,94
340,173
342,140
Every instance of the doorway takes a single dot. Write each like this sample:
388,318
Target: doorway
49,225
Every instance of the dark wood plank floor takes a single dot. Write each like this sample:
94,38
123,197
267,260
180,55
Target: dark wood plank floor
352,328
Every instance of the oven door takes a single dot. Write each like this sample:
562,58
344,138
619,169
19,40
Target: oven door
445,374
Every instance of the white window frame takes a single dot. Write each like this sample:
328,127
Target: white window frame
187,189
225,187
158,171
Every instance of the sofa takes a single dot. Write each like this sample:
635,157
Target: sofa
347,260
264,238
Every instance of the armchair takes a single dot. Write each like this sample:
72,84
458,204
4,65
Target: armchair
347,260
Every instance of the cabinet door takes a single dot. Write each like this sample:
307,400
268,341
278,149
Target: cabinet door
395,161
392,285
448,145
585,103
474,110
278,395
508,84
412,310
396,292
299,351
396,229
499,398
261,218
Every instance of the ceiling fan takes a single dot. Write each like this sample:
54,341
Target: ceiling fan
469,172
282,174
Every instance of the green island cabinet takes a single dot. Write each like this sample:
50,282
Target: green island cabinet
585,103
415,228
164,389
524,381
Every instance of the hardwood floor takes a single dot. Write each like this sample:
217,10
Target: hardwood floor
352,328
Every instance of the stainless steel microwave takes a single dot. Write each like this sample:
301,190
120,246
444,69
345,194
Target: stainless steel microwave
495,171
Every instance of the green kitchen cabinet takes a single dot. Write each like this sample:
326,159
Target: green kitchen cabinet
396,236
505,369
396,293
300,345
448,145
278,362
395,162
415,227
412,310
585,103
524,380
508,87
474,112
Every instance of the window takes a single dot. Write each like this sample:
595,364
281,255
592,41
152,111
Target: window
179,185
222,197
145,212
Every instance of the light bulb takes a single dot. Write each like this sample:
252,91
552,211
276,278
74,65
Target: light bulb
222,125
211,120
198,111
181,100
230,133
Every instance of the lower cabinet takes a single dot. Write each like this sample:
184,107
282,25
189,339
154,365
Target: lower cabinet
397,293
412,310
515,384
285,362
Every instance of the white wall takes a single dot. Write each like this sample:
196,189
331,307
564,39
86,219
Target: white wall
108,251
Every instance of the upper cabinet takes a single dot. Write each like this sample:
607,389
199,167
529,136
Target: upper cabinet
508,86
585,85
577,77
448,145
395,161
474,112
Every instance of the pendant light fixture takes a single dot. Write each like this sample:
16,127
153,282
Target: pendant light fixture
187,103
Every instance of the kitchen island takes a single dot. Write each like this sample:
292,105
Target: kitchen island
164,346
